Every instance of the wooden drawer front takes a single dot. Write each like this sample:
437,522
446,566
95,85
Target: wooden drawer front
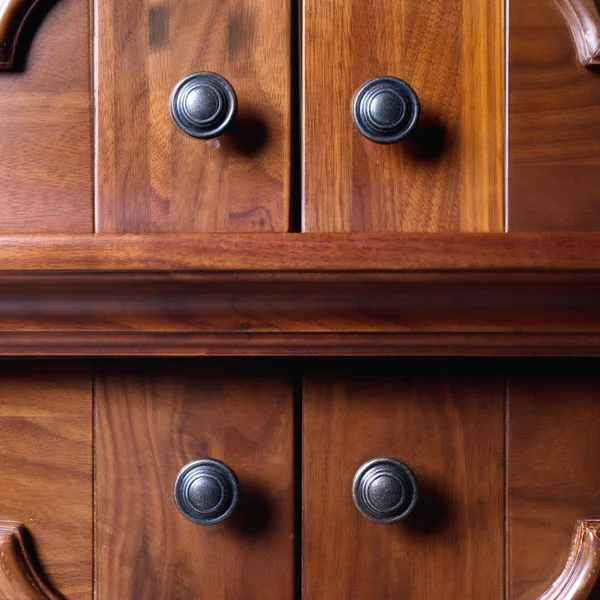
449,429
151,421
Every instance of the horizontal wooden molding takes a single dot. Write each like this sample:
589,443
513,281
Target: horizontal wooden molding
299,295
301,252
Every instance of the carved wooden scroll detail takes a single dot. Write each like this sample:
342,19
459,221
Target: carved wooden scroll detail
583,19
581,573
13,16
20,574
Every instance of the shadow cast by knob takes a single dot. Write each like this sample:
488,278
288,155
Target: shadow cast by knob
248,134
254,512
431,513
428,141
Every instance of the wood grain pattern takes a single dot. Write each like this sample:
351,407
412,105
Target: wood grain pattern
552,451
448,427
578,579
46,168
583,19
353,253
152,419
46,469
20,577
449,176
554,132
150,176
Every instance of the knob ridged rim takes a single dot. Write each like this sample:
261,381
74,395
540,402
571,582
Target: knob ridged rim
206,491
385,490
194,95
370,115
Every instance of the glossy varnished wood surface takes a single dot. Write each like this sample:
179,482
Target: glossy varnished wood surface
150,176
449,176
554,136
552,451
153,418
46,467
552,252
448,427
46,164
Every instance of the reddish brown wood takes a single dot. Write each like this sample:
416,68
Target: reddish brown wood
153,418
583,19
150,176
46,167
449,176
552,452
46,478
302,252
554,136
448,426
20,576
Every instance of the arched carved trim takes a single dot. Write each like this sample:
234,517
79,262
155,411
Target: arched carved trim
583,19
13,16
20,575
580,575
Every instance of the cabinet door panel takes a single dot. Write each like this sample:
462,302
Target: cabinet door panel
449,175
449,428
46,471
554,137
151,420
151,176
553,449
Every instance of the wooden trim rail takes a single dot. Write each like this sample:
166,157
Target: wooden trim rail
300,295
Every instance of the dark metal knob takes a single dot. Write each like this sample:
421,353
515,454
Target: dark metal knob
203,105
385,490
206,491
385,110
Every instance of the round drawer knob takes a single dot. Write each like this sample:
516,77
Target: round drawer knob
385,490
385,110
206,491
203,105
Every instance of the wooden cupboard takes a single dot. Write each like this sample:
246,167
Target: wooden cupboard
251,349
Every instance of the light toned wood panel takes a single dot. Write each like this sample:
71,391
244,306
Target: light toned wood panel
153,418
46,166
449,175
46,466
553,445
449,428
151,176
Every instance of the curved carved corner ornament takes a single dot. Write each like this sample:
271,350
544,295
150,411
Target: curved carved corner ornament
13,16
20,575
583,19
582,570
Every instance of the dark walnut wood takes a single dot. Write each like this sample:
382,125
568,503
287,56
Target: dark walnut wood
151,177
447,424
20,576
554,130
152,419
553,440
46,478
449,175
46,164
